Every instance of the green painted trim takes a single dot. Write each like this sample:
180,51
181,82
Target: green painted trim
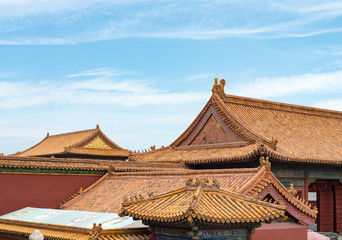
325,174
294,173
288,182
331,174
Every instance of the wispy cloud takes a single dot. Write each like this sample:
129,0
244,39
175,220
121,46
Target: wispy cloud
39,41
104,72
290,85
111,87
72,22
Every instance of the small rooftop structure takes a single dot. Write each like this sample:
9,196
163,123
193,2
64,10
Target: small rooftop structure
91,143
202,201
202,210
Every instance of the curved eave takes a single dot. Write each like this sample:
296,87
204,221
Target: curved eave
226,159
276,156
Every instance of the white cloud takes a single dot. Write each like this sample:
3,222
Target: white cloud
288,85
125,86
207,33
101,72
95,91
72,22
39,41
330,104
309,34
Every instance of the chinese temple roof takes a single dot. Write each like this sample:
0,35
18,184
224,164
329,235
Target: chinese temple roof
107,193
202,200
232,128
91,142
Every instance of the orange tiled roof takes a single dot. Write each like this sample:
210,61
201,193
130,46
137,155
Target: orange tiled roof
303,134
67,164
87,142
58,232
202,200
241,126
107,194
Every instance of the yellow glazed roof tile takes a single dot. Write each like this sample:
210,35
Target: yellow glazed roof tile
202,200
87,142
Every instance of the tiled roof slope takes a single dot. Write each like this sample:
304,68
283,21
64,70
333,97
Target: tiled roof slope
23,229
200,154
107,193
87,142
202,200
303,133
12,164
285,132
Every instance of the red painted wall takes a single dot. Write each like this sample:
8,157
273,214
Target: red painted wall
280,231
39,190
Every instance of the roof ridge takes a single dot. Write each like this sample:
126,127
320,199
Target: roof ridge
20,152
249,185
70,133
282,106
281,188
192,125
243,131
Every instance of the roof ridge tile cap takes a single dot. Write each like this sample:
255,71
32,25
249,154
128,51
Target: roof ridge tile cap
282,106
75,132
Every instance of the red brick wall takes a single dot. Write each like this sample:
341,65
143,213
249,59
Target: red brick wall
280,231
39,190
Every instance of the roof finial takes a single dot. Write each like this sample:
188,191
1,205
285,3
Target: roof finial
265,161
218,88
97,126
292,190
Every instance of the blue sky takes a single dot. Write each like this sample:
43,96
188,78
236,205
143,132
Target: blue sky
143,70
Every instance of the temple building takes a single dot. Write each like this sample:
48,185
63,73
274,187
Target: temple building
90,144
304,145
254,149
